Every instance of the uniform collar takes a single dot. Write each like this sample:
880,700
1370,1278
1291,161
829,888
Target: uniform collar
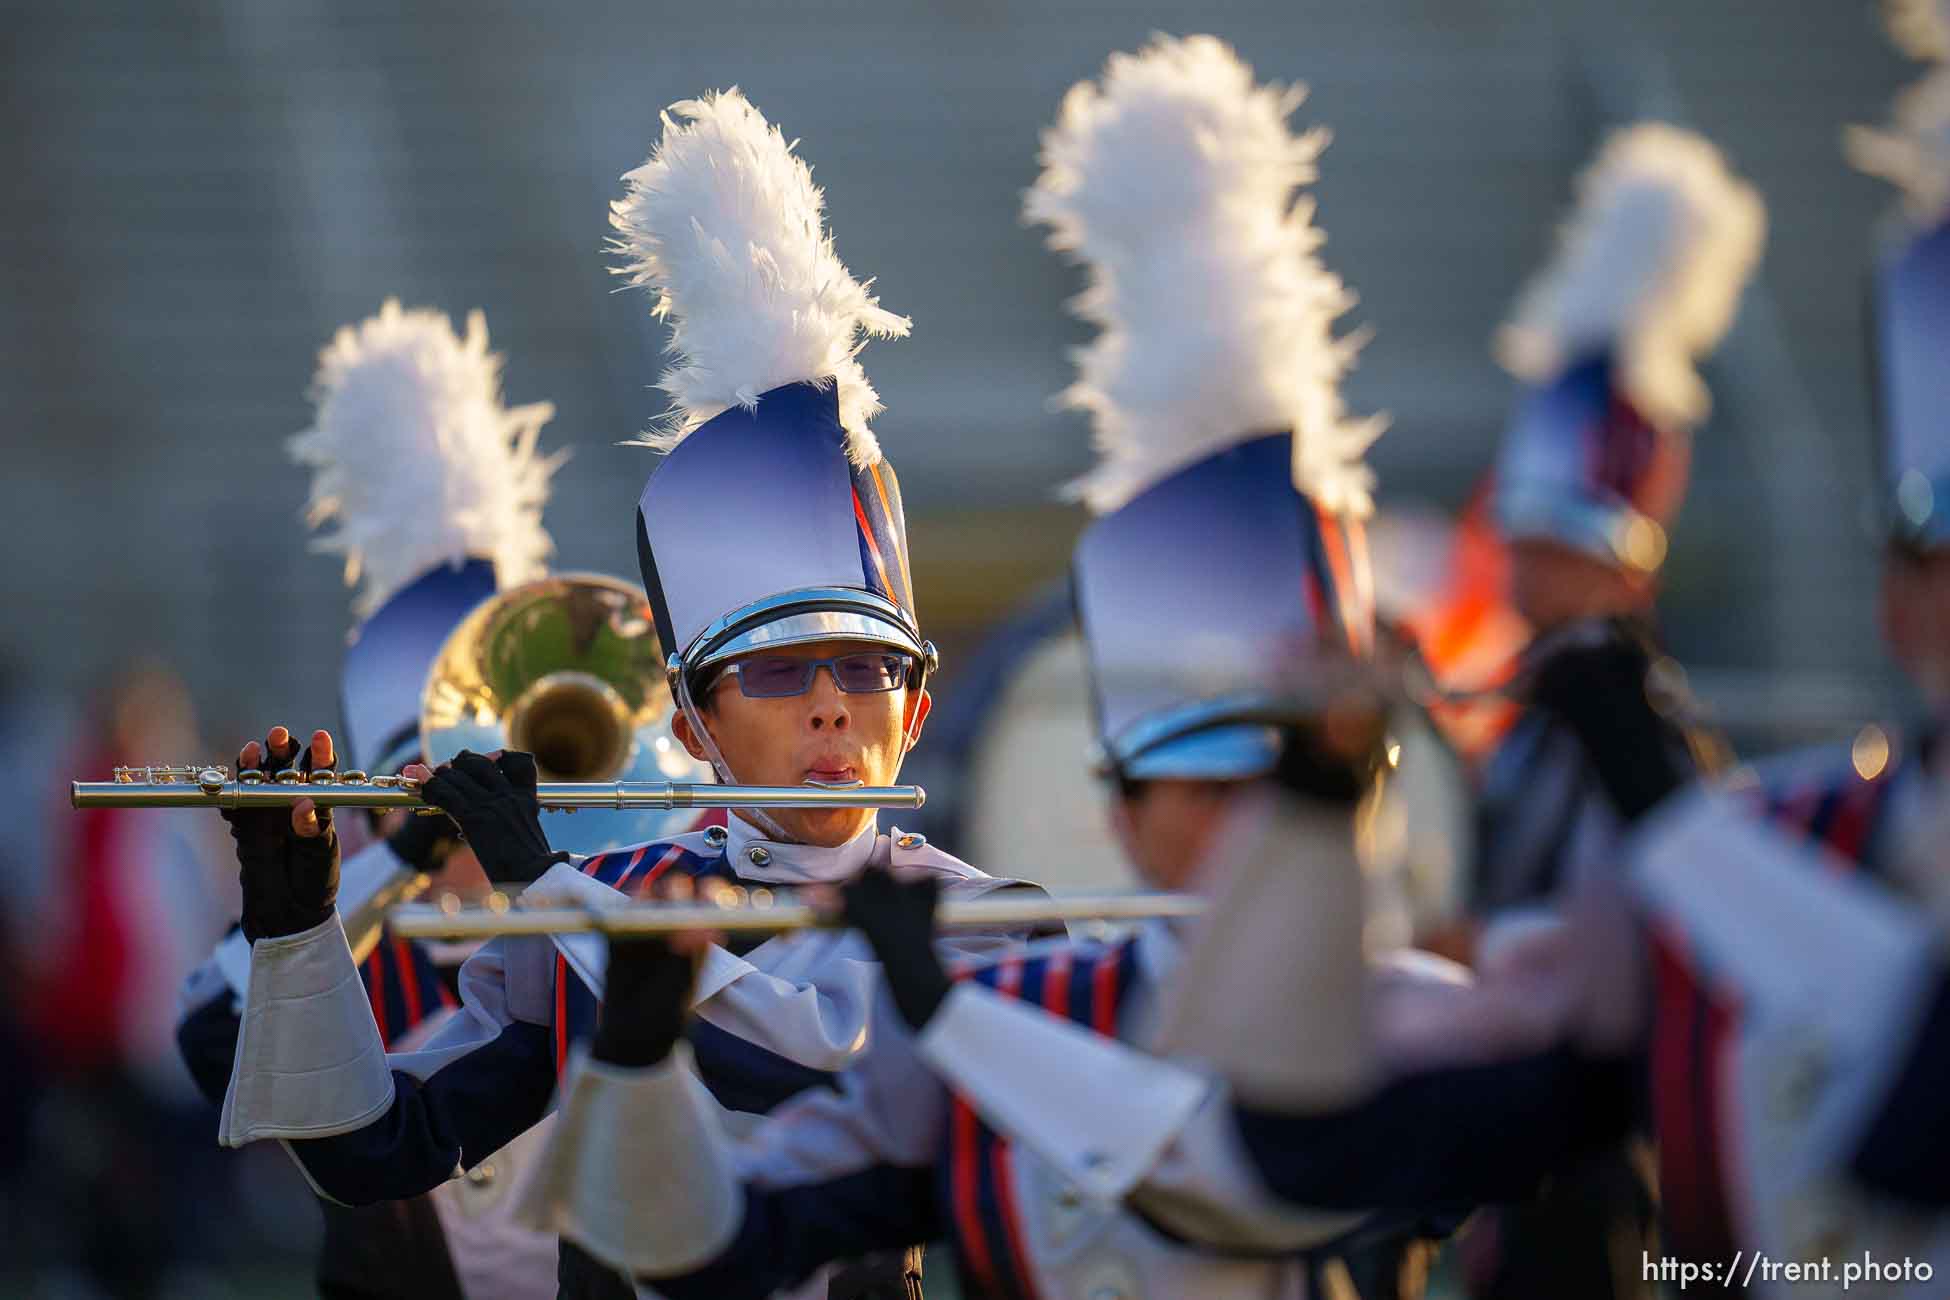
754,856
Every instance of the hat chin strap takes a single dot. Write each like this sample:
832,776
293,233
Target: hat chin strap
758,816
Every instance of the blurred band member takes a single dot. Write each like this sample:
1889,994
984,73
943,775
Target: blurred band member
437,492
1771,999
1592,472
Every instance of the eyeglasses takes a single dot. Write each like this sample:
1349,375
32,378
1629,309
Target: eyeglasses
866,672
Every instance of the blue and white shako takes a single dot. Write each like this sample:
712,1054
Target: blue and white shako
756,531
387,658
1204,602
1912,385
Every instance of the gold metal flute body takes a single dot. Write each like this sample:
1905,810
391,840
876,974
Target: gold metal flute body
449,920
212,787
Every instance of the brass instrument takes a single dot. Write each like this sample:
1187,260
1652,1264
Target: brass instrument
736,910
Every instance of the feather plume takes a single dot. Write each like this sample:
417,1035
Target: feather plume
1650,267
416,460
1174,180
1913,152
724,225
1920,28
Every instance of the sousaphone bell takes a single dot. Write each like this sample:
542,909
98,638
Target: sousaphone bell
568,668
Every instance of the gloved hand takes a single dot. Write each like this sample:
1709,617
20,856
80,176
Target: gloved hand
424,841
897,916
492,800
288,859
1599,692
646,1002
1332,759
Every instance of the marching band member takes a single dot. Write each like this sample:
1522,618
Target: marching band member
1221,598
796,657
1591,475
1850,1155
1780,984
1592,472
437,492
1870,802
1780,1020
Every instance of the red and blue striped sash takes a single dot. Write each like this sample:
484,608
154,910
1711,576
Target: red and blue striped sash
634,871
403,986
1086,985
1834,808
1694,1030
1698,1019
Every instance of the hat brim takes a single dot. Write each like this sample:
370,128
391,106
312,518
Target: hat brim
1237,753
820,625
802,617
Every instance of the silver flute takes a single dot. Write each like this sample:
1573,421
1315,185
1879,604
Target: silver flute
214,787
736,910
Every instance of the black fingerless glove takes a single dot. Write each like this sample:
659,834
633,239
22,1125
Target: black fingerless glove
1325,770
424,841
1599,692
290,881
897,916
493,802
646,1002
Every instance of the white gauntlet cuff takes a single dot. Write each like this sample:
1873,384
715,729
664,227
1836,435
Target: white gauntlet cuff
309,1060
638,1171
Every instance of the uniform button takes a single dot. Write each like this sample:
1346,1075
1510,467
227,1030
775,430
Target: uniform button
911,841
715,836
481,1175
758,855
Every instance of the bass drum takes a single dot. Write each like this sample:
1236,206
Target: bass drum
1031,806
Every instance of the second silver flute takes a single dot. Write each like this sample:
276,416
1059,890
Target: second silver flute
435,921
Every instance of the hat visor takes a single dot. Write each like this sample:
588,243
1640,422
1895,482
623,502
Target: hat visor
1610,532
1235,753
807,627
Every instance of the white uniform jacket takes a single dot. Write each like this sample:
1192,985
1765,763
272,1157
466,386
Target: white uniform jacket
366,1126
1019,1125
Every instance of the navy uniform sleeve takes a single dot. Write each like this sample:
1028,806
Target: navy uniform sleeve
453,1119
206,1038
833,1174
1449,1137
1907,1151
789,1233
743,1076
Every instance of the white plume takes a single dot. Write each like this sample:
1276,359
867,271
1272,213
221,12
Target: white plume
725,226
1173,179
1913,153
1651,267
416,459
1920,28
